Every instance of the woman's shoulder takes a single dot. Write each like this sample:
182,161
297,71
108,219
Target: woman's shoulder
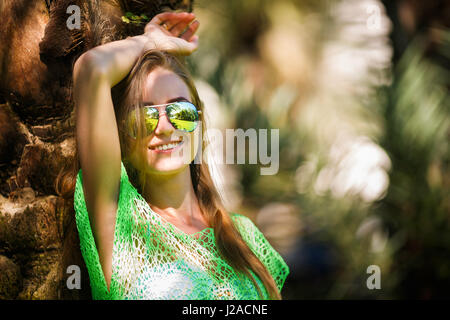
262,248
245,226
247,229
237,217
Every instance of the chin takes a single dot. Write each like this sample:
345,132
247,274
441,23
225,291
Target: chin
166,164
167,168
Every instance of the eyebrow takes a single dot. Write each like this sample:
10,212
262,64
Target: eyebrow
168,101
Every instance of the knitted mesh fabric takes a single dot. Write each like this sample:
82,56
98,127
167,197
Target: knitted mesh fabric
153,259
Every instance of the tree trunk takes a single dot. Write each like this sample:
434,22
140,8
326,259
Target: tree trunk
38,236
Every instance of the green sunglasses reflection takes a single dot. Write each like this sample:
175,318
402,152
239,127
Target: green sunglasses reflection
183,116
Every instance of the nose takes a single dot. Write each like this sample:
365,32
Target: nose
164,126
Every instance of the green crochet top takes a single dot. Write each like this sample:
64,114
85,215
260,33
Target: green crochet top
153,259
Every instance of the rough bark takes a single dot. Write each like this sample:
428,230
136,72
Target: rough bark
38,236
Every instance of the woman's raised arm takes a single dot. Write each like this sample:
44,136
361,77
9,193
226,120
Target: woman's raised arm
94,74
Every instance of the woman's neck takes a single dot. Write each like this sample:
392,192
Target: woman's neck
173,196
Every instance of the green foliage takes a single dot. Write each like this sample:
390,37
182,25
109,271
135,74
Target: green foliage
417,205
406,230
129,17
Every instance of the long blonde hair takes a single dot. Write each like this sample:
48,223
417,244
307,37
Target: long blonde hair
126,95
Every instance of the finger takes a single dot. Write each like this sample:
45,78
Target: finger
166,20
161,17
187,35
179,26
194,42
174,19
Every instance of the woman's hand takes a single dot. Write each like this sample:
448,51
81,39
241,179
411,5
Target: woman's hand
173,32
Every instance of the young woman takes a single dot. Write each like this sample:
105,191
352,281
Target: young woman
150,221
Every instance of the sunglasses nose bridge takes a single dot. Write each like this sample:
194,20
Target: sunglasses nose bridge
163,126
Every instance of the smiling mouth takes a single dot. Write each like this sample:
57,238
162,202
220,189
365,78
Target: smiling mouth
167,146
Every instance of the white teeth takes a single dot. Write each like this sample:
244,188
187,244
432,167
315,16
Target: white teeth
167,146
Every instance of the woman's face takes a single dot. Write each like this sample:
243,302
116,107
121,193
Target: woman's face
163,86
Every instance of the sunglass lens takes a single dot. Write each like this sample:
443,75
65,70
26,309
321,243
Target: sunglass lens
151,119
183,116
150,116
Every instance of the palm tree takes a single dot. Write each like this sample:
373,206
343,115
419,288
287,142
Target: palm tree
38,238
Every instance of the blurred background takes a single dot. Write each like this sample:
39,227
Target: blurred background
359,92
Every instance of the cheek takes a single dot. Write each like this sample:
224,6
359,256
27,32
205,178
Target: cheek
193,145
137,154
